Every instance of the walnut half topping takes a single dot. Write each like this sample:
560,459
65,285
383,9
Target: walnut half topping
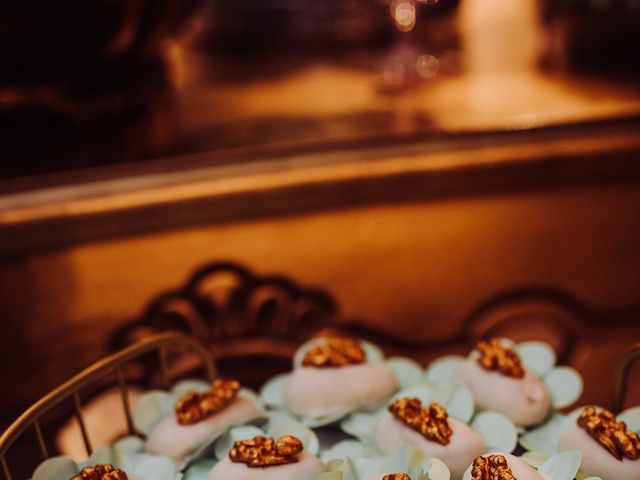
195,407
494,356
101,472
266,452
612,435
396,476
431,421
335,352
493,467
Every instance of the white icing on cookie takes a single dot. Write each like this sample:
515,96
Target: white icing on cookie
526,401
308,467
520,469
464,444
596,460
173,440
317,392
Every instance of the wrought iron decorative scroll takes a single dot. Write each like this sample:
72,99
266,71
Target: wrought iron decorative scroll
243,316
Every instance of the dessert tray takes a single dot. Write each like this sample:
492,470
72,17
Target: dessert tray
345,411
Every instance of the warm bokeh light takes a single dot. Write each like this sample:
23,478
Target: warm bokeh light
403,13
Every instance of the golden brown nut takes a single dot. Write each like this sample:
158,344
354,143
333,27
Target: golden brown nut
195,407
432,422
396,476
101,472
612,435
493,467
264,452
335,352
494,356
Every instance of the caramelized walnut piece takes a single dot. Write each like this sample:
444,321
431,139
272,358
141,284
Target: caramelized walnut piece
432,421
194,407
494,356
612,435
266,452
335,352
396,476
493,467
101,472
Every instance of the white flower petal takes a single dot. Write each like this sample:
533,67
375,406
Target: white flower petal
545,438
362,425
154,467
129,444
344,449
438,470
280,424
271,392
225,442
441,371
56,468
407,370
537,356
189,385
562,466
150,408
631,417
422,392
200,470
498,432
457,399
565,386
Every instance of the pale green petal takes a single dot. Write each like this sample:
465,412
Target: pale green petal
337,475
362,425
498,432
315,422
535,459
537,356
346,448
150,408
438,470
407,371
441,371
199,471
545,438
373,352
225,442
562,466
280,425
271,392
565,386
129,444
106,454
422,392
153,467
56,468
253,398
183,387
457,399
631,417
